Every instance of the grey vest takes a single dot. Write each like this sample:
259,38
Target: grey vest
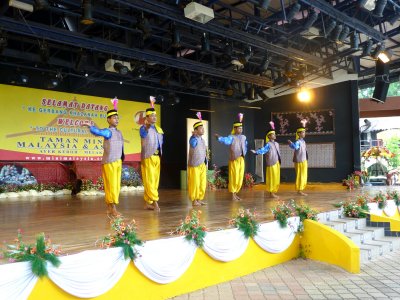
197,156
300,155
238,147
273,155
113,147
150,143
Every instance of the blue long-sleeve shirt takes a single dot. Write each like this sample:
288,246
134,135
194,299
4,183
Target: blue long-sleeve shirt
264,149
193,142
228,140
106,133
295,145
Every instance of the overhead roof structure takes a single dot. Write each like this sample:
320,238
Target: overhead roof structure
270,47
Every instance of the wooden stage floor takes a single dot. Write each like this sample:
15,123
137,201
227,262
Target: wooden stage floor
77,222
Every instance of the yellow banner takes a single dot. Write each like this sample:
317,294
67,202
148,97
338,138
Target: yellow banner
41,125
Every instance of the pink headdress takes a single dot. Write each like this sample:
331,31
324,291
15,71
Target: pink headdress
240,115
303,122
115,103
152,101
272,124
198,114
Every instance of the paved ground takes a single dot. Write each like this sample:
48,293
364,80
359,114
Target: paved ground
307,279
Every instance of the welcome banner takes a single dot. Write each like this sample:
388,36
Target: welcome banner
41,125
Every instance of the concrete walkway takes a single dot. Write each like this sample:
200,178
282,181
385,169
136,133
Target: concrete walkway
308,279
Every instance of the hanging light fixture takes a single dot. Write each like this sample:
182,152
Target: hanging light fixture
367,48
87,18
354,40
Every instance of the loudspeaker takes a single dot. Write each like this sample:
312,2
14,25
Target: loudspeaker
381,81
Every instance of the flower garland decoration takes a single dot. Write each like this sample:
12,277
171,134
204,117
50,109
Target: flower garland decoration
283,211
395,196
37,254
246,222
192,229
124,236
380,198
377,152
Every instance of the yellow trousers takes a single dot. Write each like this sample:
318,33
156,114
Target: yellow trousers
236,173
151,178
273,177
111,174
197,182
301,175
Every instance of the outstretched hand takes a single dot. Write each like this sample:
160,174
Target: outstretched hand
289,142
217,136
253,151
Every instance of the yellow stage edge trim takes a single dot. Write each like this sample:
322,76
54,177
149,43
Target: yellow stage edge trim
325,244
393,220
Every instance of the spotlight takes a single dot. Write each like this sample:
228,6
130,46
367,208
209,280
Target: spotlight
144,25
265,63
311,19
41,4
330,27
251,93
337,32
87,18
205,43
343,35
385,55
304,95
367,48
164,81
248,53
20,79
176,38
264,4
229,91
120,68
379,48
379,8
355,41
289,69
53,83
292,12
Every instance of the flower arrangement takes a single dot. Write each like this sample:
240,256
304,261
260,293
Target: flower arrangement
283,211
362,200
305,212
124,236
37,254
395,196
87,185
216,180
192,229
248,180
352,182
39,187
245,221
380,198
354,210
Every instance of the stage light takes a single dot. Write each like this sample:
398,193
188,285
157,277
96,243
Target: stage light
143,25
367,48
251,93
292,12
248,53
120,68
337,32
304,95
264,4
87,18
379,8
229,91
379,48
343,35
205,43
311,20
385,55
331,25
176,38
41,4
355,41
265,63
21,5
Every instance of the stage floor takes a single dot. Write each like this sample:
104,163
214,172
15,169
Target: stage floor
77,222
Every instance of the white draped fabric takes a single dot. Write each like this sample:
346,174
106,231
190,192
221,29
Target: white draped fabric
93,273
90,273
272,238
390,208
374,209
16,281
225,245
165,260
